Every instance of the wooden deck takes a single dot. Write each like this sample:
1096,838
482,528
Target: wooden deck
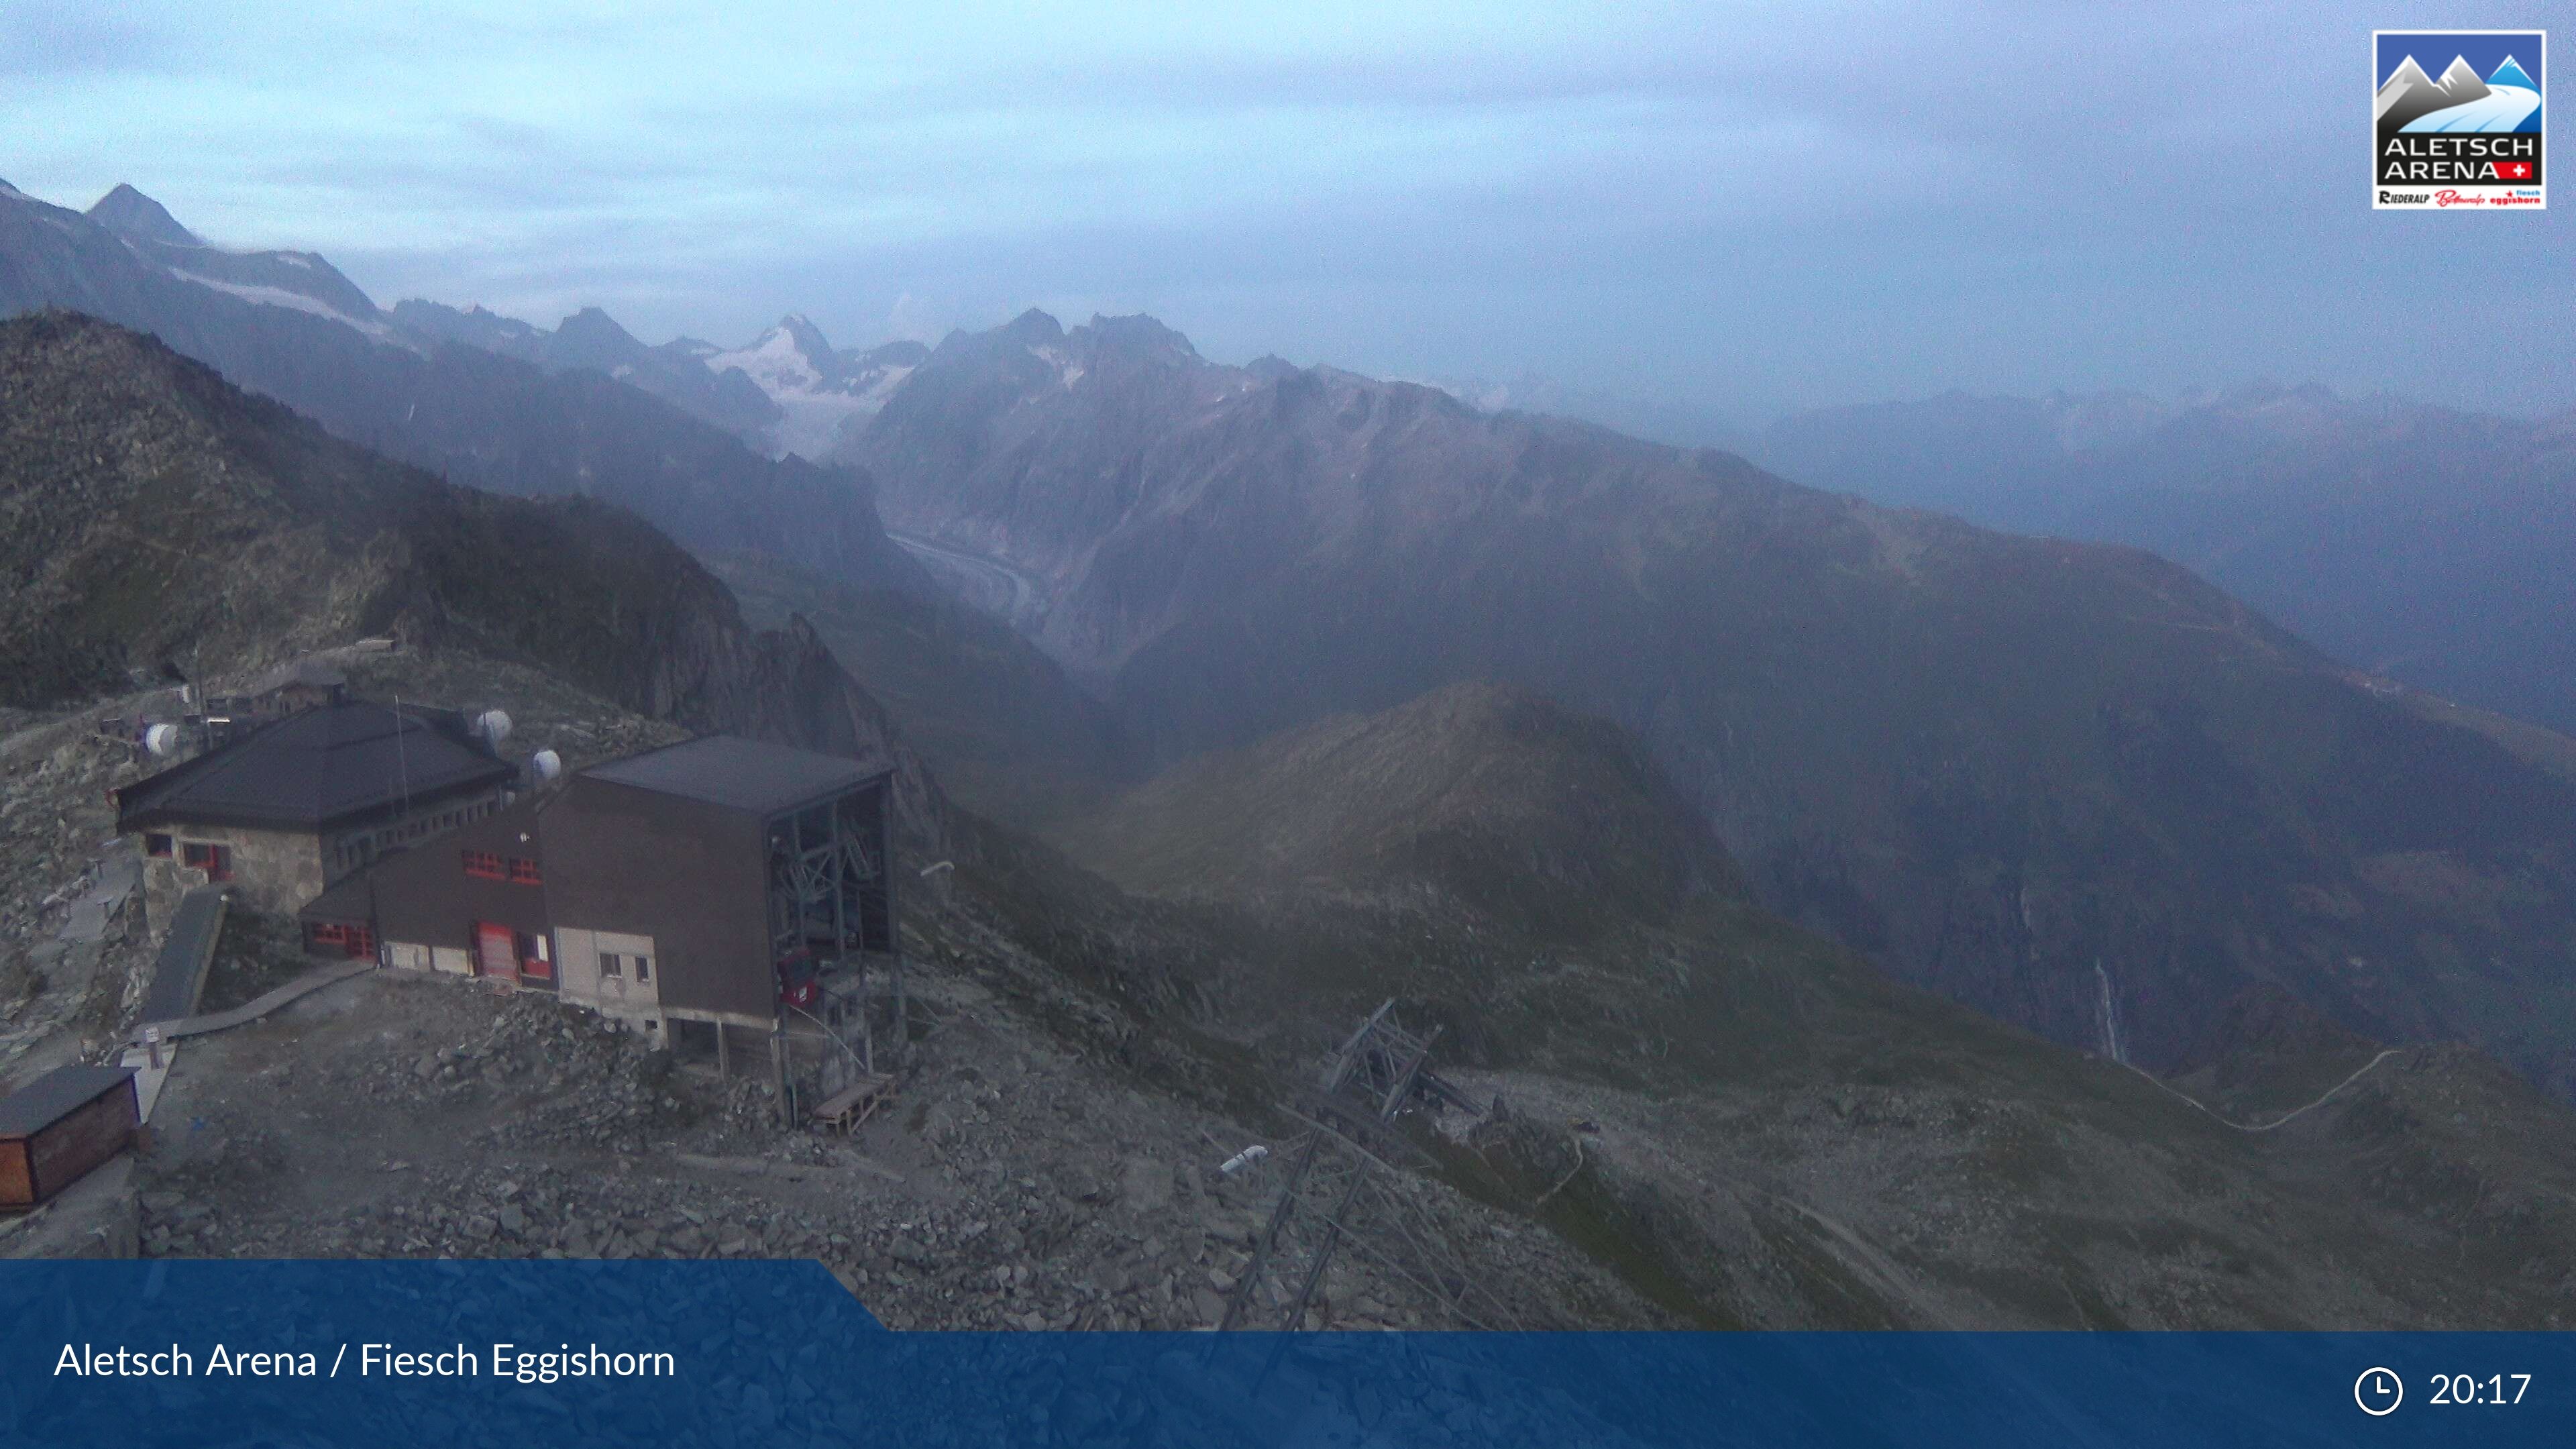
846,1109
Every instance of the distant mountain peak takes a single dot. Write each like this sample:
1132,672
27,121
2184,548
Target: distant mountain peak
593,319
1136,332
807,338
2511,74
129,212
1035,323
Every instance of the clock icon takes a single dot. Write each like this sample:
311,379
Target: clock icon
2379,1391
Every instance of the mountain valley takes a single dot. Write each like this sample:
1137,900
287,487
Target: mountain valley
2071,785
1836,915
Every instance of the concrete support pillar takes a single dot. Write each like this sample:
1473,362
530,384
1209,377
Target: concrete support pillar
778,1070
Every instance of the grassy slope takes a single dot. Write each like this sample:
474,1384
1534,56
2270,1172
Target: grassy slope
1786,1136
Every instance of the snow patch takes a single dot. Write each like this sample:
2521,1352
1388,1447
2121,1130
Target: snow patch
775,362
814,417
292,301
813,409
1067,371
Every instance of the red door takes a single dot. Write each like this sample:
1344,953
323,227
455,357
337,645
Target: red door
496,951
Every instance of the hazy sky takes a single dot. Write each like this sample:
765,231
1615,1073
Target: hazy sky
1730,209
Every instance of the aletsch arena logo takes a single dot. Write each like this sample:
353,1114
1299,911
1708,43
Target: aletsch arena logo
2465,137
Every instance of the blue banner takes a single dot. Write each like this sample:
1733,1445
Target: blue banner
212,1354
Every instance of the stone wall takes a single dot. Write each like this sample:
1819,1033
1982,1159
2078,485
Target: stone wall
272,870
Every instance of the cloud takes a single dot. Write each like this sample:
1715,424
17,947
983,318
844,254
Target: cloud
916,319
1767,205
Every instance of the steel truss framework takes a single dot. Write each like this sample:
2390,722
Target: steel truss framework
831,902
1343,1190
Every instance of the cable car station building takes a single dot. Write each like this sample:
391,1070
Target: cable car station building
695,892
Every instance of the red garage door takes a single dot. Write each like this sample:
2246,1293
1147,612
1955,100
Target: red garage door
496,951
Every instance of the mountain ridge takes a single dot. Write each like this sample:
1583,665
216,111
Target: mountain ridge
281,324
2010,769
2413,541
279,538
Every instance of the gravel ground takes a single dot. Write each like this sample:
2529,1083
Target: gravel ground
1010,1184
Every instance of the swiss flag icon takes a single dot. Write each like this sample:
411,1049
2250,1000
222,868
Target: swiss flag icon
2513,170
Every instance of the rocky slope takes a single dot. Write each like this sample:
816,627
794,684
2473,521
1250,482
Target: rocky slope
160,521
1009,736
1758,1129
2426,543
1711,1116
286,325
591,339
2072,785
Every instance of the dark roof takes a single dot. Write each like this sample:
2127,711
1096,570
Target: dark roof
739,774
55,1095
327,764
353,899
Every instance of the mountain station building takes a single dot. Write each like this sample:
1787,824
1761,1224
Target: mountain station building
694,892
305,800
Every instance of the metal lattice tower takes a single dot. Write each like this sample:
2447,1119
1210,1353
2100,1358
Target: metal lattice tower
1343,1189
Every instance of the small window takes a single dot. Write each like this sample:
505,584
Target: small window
524,871
157,845
609,964
643,968
483,864
215,860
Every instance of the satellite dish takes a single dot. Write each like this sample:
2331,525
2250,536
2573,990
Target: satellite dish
161,739
493,726
548,764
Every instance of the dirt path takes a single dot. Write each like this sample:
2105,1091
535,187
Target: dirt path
2286,1117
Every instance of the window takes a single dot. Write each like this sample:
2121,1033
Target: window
157,845
643,968
326,938
609,965
524,871
215,860
483,864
